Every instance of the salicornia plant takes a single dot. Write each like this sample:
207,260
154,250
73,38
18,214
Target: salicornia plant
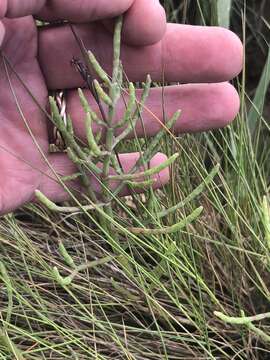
99,158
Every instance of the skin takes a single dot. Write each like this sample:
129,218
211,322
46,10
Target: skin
204,59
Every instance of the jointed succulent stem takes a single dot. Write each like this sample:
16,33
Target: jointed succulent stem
99,158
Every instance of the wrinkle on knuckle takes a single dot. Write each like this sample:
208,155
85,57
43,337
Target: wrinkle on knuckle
19,8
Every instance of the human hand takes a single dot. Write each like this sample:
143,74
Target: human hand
42,60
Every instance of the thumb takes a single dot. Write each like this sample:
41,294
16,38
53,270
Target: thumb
15,8
2,33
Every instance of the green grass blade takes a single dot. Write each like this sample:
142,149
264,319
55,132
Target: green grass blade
257,107
224,12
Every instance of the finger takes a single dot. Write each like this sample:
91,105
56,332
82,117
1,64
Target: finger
81,11
186,54
64,167
203,106
137,31
19,8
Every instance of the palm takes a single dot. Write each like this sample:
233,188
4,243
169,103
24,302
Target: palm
21,162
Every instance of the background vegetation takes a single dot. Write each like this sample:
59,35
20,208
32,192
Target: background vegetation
200,293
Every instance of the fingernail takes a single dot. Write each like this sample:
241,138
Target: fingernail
2,33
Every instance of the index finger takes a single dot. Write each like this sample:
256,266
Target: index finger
77,11
81,11
136,30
